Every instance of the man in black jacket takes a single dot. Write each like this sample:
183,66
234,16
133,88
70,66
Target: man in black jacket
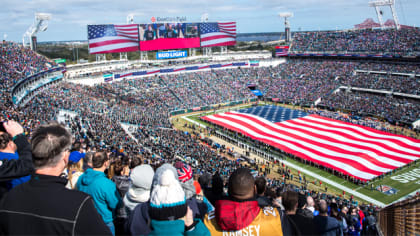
324,224
12,169
43,206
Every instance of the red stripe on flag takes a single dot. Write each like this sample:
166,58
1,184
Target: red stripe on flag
330,143
356,151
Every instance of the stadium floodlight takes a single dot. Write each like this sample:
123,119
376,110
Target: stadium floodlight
40,25
205,17
286,16
130,18
391,4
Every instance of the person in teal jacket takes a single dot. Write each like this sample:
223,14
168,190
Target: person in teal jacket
103,191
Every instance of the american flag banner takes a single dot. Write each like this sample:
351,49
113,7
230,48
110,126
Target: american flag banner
282,51
218,34
358,151
113,38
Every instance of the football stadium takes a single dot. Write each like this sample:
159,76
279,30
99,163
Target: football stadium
173,127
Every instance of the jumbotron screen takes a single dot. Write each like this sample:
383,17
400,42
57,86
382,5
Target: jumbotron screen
159,36
168,36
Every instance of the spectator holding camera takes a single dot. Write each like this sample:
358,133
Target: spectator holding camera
13,165
44,204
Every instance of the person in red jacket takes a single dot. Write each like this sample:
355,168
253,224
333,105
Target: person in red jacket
239,214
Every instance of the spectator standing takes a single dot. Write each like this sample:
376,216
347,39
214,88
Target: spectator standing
122,181
324,224
277,201
310,207
75,170
261,184
103,191
295,224
11,168
87,163
139,190
8,151
240,212
168,209
370,222
354,226
44,204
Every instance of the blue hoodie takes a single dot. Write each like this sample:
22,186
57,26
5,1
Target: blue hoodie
102,190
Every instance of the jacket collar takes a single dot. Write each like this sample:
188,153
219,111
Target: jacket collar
47,180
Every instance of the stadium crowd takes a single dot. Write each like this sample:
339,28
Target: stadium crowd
393,109
120,196
390,41
149,186
400,84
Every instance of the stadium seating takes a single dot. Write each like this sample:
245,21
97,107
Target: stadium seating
390,41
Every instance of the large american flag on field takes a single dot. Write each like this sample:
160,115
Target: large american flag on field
218,34
353,150
113,38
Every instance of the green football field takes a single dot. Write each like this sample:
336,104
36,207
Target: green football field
405,181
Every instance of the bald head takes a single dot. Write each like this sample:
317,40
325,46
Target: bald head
310,201
323,207
241,184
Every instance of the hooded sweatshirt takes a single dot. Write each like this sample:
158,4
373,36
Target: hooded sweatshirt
103,191
327,226
243,218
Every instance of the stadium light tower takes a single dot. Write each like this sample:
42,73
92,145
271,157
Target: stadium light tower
130,18
286,16
40,25
205,17
391,4
207,50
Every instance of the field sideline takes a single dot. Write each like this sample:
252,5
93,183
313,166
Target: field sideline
406,180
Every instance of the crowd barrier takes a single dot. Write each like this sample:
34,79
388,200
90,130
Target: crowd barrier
401,218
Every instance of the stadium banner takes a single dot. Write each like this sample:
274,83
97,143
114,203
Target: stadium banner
254,63
171,70
214,34
282,51
113,38
166,36
257,92
171,54
239,64
293,54
108,78
58,61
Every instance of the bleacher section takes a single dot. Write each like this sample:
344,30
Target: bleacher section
375,42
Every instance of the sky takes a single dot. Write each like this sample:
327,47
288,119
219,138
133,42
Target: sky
71,17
